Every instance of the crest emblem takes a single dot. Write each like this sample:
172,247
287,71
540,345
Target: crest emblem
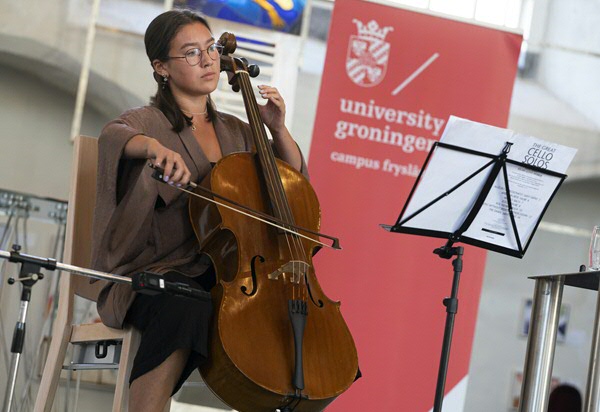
368,54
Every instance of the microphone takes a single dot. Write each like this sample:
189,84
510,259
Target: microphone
150,283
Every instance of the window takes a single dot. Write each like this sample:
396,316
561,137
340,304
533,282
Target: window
508,13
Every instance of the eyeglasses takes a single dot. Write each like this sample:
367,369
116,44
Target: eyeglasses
194,56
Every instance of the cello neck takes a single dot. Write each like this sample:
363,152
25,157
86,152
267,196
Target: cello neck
239,78
264,150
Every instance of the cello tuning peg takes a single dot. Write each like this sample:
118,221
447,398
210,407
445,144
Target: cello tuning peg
253,70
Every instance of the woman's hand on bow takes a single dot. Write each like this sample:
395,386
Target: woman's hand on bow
176,171
145,147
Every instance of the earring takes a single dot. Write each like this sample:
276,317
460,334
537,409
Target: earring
165,80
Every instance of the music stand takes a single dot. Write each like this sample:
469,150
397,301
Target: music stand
490,181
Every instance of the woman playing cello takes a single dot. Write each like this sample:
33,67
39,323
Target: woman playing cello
141,224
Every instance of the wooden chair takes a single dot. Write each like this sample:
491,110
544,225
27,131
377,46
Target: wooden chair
77,252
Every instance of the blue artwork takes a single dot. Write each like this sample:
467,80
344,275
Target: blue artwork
282,15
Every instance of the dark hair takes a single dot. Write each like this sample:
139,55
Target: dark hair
157,39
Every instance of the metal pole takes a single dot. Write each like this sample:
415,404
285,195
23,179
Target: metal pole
451,305
12,380
85,71
592,396
304,28
94,274
537,373
6,239
17,349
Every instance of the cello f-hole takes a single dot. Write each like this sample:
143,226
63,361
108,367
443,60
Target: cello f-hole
253,273
320,302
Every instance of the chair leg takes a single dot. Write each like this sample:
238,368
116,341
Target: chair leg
130,345
54,362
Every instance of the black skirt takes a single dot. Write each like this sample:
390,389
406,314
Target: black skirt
168,323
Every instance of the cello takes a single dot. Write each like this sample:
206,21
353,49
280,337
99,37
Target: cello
276,341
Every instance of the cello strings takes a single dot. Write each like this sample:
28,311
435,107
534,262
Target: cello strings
256,123
279,198
278,187
274,180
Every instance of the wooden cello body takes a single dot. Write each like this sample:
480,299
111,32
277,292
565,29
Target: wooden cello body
277,341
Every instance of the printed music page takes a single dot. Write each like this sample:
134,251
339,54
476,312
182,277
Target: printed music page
530,190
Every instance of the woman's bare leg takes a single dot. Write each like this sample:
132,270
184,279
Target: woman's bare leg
151,391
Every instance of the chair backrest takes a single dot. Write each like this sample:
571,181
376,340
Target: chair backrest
78,252
82,200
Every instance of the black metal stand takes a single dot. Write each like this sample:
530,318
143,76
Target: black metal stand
28,276
451,305
495,167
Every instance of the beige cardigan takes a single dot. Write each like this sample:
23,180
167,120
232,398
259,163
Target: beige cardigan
140,223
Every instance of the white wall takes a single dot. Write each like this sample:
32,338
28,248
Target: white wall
47,38
570,60
33,116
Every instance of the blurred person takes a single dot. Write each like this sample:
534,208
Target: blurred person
564,398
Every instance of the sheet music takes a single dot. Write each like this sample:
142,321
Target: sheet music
530,190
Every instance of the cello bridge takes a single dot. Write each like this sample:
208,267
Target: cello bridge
296,268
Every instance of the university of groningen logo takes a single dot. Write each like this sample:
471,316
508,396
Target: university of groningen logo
368,54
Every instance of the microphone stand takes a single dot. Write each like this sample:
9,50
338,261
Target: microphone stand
144,282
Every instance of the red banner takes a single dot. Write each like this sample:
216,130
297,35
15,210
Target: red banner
392,78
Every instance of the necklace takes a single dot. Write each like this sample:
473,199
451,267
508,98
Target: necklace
196,113
193,127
